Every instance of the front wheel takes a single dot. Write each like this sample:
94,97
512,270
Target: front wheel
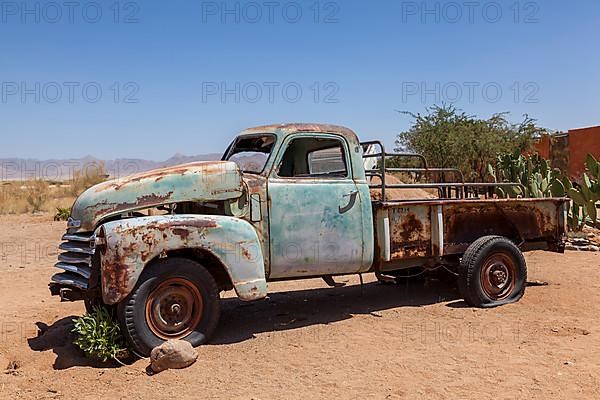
492,272
175,298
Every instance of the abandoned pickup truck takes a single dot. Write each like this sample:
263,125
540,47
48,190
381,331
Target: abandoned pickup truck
289,202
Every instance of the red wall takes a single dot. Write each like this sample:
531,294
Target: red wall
581,143
542,147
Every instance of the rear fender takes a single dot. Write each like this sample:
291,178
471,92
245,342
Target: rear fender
128,246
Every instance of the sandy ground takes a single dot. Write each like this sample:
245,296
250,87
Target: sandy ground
311,341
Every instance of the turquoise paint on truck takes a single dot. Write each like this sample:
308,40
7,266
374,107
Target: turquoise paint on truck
199,181
290,251
131,244
323,225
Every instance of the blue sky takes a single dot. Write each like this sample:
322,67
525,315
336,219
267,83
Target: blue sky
150,79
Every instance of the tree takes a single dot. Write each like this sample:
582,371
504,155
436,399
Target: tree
450,138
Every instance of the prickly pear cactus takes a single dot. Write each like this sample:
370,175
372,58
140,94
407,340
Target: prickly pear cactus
533,172
587,194
540,180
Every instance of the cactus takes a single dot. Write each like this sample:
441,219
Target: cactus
574,211
587,194
533,172
557,188
540,180
593,166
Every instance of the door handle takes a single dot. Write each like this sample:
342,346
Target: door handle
352,196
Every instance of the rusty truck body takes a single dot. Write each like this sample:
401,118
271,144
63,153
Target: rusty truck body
288,202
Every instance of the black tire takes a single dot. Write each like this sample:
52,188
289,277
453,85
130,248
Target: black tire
137,313
91,302
492,273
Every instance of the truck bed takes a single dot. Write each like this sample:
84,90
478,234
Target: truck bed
407,232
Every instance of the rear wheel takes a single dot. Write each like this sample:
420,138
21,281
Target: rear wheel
492,272
175,298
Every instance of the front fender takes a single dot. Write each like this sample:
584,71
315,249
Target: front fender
127,246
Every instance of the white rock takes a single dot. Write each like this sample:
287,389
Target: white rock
172,354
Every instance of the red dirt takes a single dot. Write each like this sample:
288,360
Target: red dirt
311,341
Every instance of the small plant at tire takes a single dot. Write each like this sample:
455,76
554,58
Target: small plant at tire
99,336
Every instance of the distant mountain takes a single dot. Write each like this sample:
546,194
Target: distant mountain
13,169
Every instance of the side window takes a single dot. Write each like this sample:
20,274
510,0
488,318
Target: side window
314,158
327,161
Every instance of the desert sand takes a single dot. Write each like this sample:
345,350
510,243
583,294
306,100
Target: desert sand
311,341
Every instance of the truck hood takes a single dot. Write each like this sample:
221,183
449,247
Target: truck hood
198,181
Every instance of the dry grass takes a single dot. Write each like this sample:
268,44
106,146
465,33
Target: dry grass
34,196
82,181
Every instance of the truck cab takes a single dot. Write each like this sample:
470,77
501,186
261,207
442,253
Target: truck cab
288,201
310,193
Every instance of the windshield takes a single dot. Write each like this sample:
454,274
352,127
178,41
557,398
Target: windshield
251,153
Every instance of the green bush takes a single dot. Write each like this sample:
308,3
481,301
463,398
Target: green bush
449,138
99,335
62,214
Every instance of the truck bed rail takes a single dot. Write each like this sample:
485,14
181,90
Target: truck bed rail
455,189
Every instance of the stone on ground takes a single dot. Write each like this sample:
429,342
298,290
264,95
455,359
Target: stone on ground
172,354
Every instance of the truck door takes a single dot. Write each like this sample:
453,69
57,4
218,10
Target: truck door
315,209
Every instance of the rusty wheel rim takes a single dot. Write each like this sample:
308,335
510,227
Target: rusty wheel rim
498,276
174,309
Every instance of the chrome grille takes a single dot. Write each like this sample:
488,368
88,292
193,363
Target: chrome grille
75,261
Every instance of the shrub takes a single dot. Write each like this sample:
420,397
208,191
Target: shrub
448,137
62,214
99,335
37,194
